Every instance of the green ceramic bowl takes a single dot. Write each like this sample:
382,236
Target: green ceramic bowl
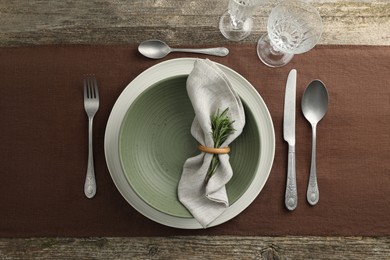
155,141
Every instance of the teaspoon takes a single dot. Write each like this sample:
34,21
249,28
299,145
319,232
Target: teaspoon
314,107
156,49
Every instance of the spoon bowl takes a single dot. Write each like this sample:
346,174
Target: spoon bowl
156,49
314,108
315,101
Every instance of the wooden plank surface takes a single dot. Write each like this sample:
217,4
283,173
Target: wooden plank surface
185,22
197,247
177,22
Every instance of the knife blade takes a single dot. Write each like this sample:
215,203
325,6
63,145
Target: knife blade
291,197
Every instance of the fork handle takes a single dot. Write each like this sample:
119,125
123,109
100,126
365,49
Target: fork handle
90,182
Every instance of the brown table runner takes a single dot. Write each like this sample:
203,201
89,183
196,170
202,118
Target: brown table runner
43,141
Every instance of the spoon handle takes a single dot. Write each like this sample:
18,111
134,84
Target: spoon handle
291,197
313,194
219,51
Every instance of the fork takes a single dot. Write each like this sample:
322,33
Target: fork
91,105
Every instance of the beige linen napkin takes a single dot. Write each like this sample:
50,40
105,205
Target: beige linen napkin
209,91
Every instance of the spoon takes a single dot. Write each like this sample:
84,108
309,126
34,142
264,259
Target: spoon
156,49
314,107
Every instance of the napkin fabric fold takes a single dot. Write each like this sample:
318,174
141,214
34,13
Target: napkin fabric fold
209,91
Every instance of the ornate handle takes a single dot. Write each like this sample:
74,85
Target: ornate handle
219,51
291,198
313,194
90,182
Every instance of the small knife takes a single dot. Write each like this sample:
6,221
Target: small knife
291,198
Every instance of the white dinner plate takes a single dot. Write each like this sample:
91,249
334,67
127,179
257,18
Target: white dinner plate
153,75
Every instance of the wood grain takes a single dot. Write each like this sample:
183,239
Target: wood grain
185,22
177,22
197,247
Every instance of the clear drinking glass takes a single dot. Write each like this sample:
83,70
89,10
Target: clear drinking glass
236,23
293,27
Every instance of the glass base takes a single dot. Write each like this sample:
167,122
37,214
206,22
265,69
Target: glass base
235,32
269,56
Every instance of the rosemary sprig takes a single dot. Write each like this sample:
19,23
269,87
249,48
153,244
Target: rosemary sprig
221,126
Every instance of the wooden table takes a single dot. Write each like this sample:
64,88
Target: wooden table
182,23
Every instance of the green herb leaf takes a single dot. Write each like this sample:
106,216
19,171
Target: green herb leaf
222,127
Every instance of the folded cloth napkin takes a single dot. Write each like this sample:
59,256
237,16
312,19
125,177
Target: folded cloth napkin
209,91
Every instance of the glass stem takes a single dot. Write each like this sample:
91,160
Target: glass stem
236,23
274,51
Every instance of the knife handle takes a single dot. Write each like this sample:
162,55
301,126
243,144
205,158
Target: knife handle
291,198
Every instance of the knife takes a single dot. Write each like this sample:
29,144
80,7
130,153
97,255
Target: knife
291,197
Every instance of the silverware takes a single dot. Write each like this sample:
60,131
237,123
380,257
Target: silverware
291,197
156,49
314,107
91,105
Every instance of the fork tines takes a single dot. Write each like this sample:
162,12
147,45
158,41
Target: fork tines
90,87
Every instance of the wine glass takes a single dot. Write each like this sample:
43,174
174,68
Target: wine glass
293,27
236,23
